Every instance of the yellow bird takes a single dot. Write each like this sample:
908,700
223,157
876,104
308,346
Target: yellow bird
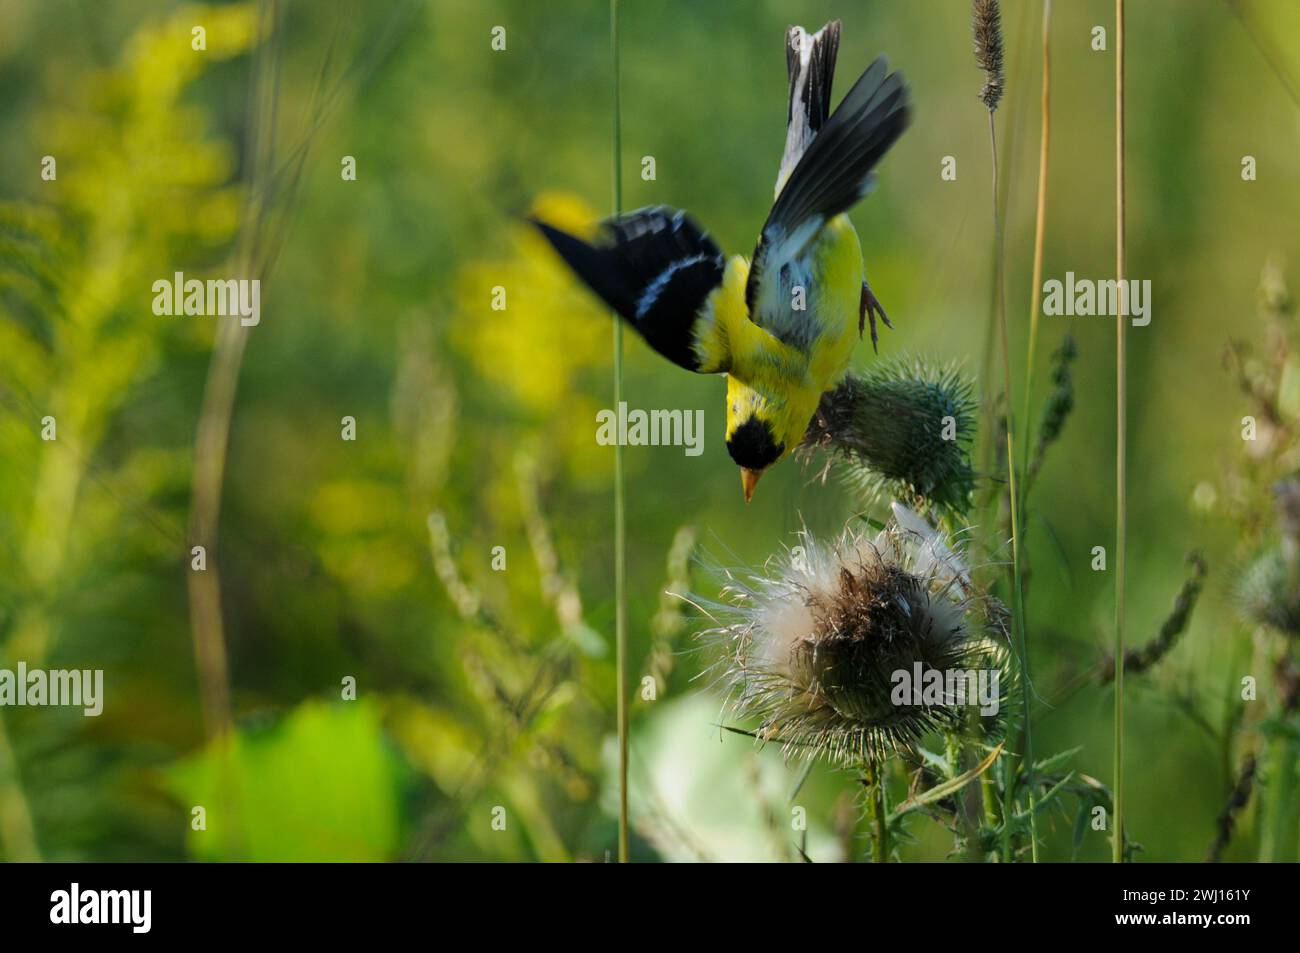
781,325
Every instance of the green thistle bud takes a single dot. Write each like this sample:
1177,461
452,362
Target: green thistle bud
903,430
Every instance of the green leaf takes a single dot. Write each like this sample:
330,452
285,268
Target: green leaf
935,761
1052,763
941,791
1058,550
589,642
1080,828
322,785
1046,799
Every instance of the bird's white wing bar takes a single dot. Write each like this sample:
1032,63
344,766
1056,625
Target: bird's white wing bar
657,268
646,302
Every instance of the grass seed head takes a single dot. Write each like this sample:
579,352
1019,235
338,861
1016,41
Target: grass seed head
986,26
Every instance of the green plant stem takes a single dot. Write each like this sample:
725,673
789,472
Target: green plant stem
1278,841
876,812
989,794
620,536
1008,803
1280,805
1040,228
1017,620
1121,440
1264,42
987,447
970,803
17,834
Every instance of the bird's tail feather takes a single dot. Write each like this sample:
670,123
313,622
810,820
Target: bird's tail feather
810,60
835,171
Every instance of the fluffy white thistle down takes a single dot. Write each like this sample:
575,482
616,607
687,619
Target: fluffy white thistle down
811,648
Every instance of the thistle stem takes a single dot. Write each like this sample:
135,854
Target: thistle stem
969,803
1121,439
1278,839
874,782
988,793
620,535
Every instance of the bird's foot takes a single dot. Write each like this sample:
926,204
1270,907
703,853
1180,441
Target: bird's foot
868,308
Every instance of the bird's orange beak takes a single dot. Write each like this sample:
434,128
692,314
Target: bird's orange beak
749,480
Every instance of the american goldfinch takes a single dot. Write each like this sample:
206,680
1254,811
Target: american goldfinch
781,324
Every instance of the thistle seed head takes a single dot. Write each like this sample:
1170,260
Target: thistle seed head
811,649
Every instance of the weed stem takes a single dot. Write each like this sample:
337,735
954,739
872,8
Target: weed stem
620,537
1121,437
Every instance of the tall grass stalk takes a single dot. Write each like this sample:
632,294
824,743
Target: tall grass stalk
620,536
1017,600
1121,439
1264,42
212,438
1040,226
17,833
1018,509
986,25
270,200
988,445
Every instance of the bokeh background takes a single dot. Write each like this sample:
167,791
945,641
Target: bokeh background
482,685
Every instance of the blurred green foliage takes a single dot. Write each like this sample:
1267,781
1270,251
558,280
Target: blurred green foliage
378,306
322,785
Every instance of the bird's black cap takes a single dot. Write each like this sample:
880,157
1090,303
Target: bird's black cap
752,445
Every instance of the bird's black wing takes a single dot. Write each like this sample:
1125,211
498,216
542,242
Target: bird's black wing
834,172
657,268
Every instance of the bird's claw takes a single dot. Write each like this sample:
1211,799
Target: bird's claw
868,308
